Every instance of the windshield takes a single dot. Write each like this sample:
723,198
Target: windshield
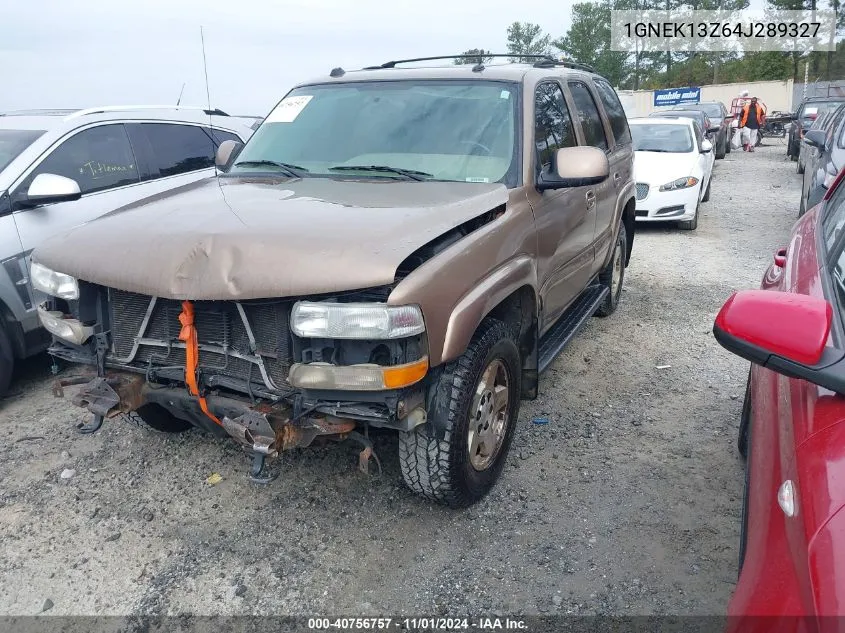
712,110
13,142
459,131
815,109
660,137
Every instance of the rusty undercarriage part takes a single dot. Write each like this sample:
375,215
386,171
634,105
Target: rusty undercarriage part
103,397
266,430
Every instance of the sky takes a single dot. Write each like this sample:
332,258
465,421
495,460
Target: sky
85,53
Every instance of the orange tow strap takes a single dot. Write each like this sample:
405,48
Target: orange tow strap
188,335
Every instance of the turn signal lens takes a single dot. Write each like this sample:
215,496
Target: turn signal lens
324,376
404,375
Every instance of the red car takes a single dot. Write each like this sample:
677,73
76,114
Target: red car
792,430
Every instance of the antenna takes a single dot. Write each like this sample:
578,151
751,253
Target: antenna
179,100
205,68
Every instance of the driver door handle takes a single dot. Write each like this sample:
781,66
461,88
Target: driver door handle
591,199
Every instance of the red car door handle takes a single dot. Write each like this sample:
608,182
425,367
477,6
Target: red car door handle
780,258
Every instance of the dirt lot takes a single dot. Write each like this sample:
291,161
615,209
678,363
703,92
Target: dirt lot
627,502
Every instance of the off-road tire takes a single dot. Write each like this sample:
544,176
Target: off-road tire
611,301
706,196
440,470
7,362
690,225
157,418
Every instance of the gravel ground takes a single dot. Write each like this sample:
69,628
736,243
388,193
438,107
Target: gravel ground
627,502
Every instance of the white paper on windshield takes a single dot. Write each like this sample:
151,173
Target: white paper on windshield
289,109
808,111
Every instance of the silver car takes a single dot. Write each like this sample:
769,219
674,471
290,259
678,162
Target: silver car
61,168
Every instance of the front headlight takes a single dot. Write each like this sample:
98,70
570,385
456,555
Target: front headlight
680,183
355,320
53,283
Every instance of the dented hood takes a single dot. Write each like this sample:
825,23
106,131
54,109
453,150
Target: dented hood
239,238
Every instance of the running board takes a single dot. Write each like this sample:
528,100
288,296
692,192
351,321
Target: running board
569,324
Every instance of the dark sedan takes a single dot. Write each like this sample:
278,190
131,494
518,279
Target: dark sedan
809,110
720,121
696,115
824,146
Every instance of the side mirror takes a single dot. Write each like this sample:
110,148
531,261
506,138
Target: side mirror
226,153
575,167
706,146
784,332
816,138
49,188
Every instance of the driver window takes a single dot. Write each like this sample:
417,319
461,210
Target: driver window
552,123
97,158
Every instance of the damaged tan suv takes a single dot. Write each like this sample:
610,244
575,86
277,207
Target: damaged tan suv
399,247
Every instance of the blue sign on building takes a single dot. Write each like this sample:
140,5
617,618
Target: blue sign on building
676,96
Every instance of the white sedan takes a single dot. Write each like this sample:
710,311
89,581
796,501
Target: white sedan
673,165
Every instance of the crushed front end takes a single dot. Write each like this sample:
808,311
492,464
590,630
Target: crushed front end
273,374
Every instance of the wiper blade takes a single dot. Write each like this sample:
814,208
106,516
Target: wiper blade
293,170
645,149
410,174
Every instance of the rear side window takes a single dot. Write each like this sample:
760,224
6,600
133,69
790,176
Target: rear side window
222,135
615,112
97,158
552,123
179,149
588,114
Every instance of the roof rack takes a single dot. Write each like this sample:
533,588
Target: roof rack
124,108
543,61
40,112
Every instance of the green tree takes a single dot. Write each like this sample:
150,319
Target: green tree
588,41
525,38
474,56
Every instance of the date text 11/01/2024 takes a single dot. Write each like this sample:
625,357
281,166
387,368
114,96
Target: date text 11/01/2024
417,624
692,30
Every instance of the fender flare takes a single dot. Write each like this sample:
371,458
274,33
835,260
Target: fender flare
471,309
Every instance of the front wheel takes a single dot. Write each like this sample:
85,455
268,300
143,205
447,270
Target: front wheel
157,418
706,195
7,361
475,403
690,225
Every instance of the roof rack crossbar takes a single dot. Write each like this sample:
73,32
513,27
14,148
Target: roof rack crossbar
124,108
392,64
550,63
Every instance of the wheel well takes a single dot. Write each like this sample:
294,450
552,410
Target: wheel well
13,330
519,309
629,219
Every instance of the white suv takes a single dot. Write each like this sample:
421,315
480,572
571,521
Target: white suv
60,168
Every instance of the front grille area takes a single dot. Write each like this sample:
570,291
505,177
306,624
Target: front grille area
642,190
218,323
